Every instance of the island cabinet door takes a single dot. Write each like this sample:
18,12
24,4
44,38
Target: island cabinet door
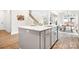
47,39
42,39
54,37
29,39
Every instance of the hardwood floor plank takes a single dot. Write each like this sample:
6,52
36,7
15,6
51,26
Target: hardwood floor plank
67,43
8,41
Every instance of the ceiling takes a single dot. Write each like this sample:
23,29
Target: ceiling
57,12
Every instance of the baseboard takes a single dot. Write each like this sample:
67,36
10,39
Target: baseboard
14,33
2,28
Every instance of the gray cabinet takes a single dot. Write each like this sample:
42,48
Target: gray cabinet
47,39
30,39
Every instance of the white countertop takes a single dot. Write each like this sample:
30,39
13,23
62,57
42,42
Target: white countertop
36,28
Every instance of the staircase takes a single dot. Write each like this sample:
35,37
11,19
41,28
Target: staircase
34,19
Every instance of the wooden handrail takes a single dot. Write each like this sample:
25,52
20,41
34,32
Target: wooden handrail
30,14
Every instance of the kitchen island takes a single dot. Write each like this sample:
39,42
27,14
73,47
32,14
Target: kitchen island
35,37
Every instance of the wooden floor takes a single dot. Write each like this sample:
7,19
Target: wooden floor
12,42
7,41
67,43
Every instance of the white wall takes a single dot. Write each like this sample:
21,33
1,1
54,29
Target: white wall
15,23
2,20
7,20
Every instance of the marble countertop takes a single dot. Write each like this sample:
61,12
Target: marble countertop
36,28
